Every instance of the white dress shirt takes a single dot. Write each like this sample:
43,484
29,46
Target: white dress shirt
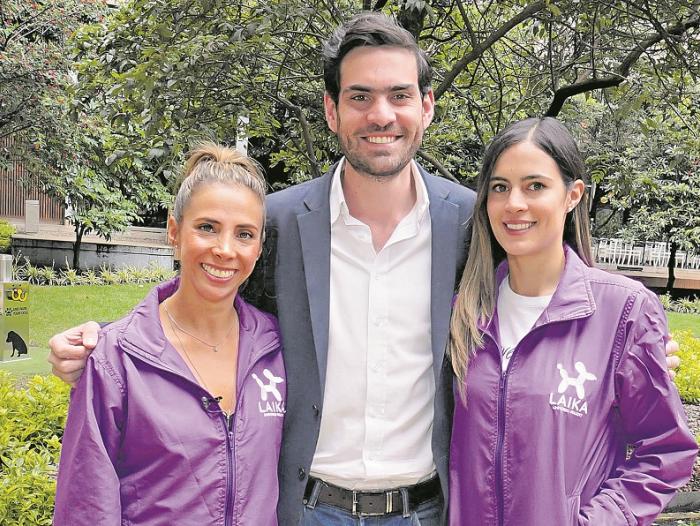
378,402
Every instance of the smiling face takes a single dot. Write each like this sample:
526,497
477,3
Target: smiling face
380,115
527,203
218,241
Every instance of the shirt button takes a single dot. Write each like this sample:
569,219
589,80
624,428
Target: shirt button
302,473
315,409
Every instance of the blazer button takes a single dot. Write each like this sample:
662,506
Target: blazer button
315,409
302,473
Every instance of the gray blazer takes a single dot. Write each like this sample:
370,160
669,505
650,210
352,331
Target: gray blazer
292,280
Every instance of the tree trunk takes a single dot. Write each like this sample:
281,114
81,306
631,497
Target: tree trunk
672,267
626,213
79,231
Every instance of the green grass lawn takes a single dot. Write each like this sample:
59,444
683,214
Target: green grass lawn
689,322
53,309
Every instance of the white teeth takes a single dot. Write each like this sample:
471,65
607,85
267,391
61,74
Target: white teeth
381,140
218,273
518,226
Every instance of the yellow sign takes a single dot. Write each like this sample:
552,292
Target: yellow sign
17,293
14,321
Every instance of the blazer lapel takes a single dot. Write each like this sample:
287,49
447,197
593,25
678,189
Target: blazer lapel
315,233
444,218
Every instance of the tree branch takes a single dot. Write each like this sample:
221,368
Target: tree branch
438,166
306,134
617,77
480,48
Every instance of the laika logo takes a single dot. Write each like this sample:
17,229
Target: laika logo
577,406
274,407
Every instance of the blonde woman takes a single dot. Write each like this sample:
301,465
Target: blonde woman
177,418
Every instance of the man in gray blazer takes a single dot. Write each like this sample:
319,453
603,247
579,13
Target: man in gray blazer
360,266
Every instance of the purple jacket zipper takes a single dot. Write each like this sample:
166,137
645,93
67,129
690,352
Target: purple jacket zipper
501,417
228,425
227,419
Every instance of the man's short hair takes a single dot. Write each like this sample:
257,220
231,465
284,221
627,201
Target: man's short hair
370,29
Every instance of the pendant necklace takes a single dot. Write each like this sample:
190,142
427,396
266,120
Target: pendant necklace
196,372
173,322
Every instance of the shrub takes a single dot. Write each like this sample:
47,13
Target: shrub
666,301
689,305
688,377
32,274
31,428
47,276
124,275
24,270
7,230
69,276
91,278
108,276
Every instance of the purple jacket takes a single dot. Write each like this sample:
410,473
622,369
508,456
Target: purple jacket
544,443
146,445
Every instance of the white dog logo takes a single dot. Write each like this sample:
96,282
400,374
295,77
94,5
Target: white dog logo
270,387
577,383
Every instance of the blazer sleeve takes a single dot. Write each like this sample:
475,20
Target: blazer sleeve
87,491
654,424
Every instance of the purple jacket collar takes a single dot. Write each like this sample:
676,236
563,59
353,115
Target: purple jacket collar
572,298
142,336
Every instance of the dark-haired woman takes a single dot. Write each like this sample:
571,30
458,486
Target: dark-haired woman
560,366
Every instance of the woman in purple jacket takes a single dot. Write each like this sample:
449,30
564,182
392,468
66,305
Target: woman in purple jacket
178,416
560,366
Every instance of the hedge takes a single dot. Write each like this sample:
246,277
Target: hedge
31,427
7,230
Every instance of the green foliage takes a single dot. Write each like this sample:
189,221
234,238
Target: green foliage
31,427
104,276
688,377
682,305
63,140
48,275
7,230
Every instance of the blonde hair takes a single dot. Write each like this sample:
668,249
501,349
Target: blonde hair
476,297
213,163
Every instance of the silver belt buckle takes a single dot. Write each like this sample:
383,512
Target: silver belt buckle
389,506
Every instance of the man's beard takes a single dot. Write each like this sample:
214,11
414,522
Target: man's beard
366,164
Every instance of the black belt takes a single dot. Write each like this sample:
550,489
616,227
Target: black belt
371,503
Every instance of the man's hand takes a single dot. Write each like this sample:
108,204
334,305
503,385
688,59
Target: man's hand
70,349
673,361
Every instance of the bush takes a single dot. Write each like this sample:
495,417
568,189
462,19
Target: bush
31,428
105,275
7,230
688,377
690,305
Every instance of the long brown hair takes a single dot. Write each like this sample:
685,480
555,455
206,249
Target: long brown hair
475,302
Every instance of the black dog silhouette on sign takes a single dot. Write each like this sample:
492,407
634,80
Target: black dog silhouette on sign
18,345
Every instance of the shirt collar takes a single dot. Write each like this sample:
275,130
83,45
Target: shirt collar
337,196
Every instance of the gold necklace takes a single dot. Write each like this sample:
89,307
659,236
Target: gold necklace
174,323
187,355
